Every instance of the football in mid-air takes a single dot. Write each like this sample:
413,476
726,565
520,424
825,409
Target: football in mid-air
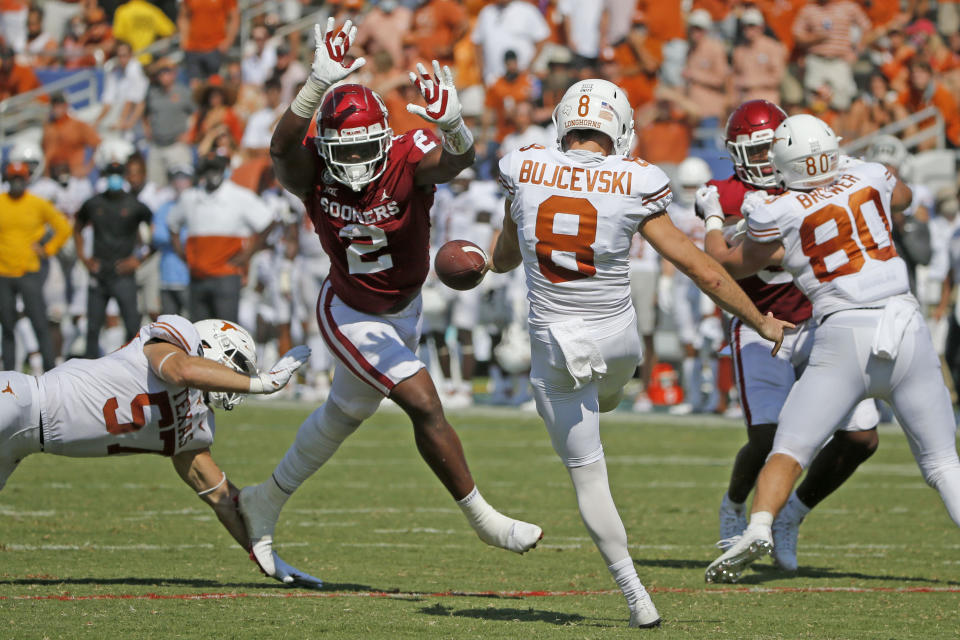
460,264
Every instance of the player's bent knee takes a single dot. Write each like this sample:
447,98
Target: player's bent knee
335,423
760,438
861,444
936,470
610,403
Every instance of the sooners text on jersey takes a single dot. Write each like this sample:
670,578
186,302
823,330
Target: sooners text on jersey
772,290
378,239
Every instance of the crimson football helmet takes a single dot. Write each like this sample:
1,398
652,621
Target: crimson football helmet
353,136
749,136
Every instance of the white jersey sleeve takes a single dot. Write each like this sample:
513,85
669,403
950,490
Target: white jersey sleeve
117,405
576,214
838,243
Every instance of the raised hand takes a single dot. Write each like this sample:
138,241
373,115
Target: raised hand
331,48
440,94
707,203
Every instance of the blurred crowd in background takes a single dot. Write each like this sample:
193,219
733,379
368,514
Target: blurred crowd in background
159,197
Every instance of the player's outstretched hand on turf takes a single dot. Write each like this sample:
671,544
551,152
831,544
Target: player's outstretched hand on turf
279,374
440,94
331,48
772,329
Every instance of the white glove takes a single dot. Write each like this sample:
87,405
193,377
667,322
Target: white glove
751,202
327,66
440,94
734,233
279,374
707,203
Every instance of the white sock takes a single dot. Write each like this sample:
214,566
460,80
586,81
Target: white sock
496,529
760,519
625,575
598,511
317,440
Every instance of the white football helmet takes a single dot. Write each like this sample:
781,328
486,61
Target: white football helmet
30,154
805,153
888,150
599,105
692,174
231,345
113,151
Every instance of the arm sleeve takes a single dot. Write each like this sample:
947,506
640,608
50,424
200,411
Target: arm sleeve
175,217
144,214
257,214
654,194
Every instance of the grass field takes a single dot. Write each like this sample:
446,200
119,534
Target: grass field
120,548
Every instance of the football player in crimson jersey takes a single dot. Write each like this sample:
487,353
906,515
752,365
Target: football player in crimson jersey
153,395
765,381
368,194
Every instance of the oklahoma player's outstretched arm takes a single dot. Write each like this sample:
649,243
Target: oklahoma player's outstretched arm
710,277
443,110
295,164
171,364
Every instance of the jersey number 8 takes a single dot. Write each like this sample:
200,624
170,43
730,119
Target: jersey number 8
555,215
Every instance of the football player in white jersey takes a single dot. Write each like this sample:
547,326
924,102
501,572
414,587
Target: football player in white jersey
571,213
832,231
151,396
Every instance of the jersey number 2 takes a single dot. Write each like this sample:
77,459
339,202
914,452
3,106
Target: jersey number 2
864,202
365,240
557,217
160,400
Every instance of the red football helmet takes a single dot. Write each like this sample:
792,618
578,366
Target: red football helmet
749,136
353,136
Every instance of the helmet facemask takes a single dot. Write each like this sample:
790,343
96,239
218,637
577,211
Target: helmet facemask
751,158
231,346
358,159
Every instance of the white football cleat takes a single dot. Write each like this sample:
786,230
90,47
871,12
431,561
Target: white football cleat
643,614
785,533
732,523
260,517
755,542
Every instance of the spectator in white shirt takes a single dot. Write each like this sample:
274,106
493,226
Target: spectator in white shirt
505,25
585,25
259,129
525,132
259,62
124,91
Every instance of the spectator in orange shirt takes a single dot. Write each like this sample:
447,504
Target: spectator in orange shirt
14,78
924,91
383,29
438,25
66,139
90,38
215,115
513,87
665,129
707,72
876,107
207,31
759,62
633,65
665,23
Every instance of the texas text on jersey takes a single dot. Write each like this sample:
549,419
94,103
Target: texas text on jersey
377,238
117,405
772,289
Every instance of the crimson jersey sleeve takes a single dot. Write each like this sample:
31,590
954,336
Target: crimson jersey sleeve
731,192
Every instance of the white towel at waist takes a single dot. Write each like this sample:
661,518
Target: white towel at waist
896,317
580,352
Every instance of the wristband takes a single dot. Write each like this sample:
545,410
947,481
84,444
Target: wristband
713,223
215,487
256,384
309,98
459,139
